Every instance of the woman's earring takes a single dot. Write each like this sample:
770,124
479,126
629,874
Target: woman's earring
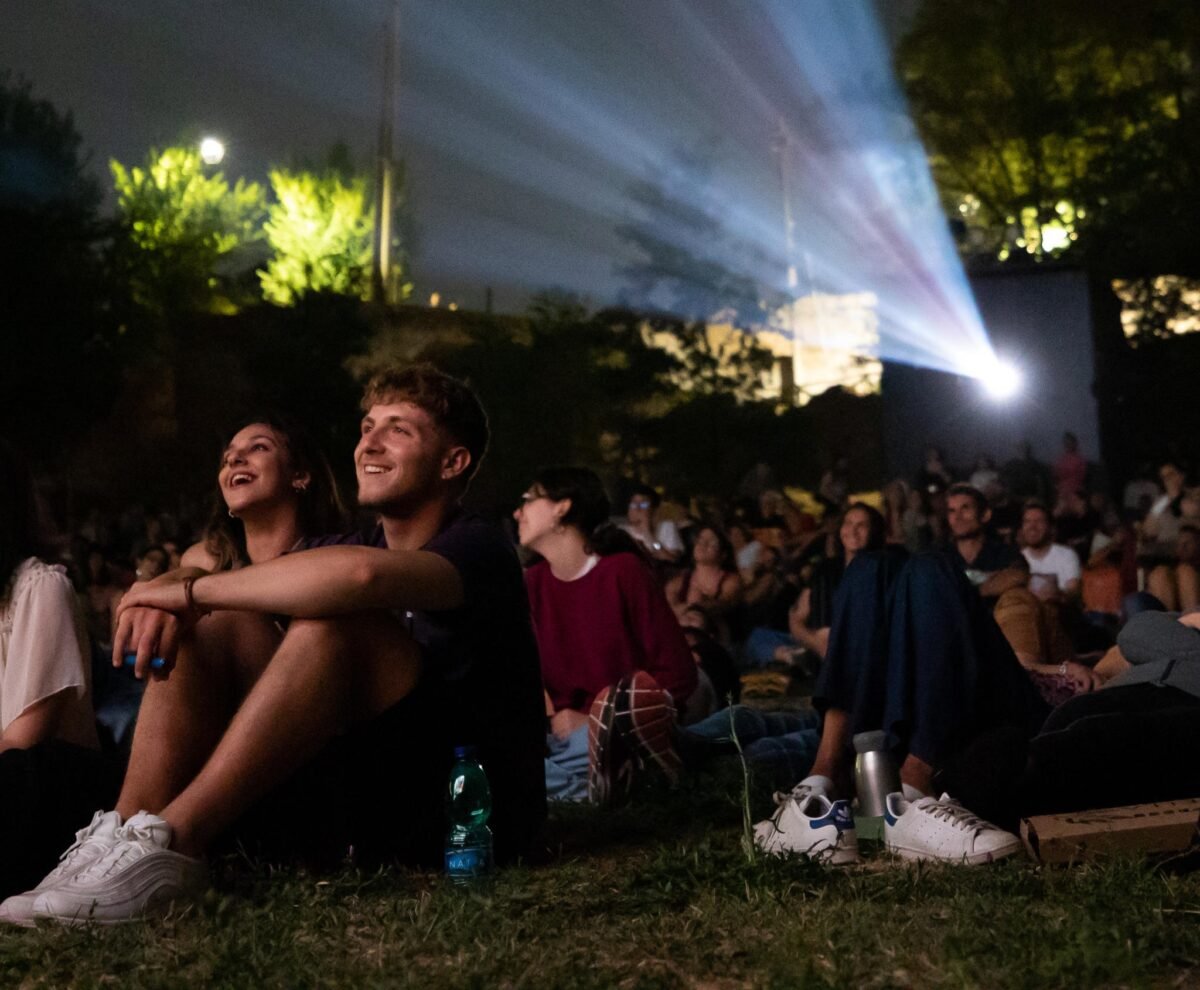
300,486
232,514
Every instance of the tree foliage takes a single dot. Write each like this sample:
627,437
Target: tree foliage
41,164
183,231
1047,120
319,228
57,348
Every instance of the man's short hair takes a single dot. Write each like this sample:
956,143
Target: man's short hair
1039,505
450,403
973,493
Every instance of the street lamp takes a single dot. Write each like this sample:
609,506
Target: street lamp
212,150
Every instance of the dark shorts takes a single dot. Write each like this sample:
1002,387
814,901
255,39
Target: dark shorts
373,795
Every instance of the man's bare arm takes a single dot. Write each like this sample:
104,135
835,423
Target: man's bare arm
1001,581
317,583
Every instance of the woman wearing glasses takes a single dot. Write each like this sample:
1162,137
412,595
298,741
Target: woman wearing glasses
613,655
660,539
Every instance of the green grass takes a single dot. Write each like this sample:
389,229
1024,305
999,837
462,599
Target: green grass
658,895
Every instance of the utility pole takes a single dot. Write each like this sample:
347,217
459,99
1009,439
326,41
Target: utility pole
381,280
782,146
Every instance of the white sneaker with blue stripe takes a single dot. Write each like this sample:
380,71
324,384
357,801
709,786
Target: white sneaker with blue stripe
942,829
807,823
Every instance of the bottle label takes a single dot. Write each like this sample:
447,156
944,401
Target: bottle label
467,861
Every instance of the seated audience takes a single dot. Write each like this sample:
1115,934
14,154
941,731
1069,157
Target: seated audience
399,645
1076,521
746,550
712,581
862,529
274,487
915,652
1001,575
1177,585
895,506
659,538
933,476
52,773
616,667
99,596
1071,468
1054,571
1136,741
1160,527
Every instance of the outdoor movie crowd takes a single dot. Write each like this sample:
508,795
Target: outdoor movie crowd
1014,639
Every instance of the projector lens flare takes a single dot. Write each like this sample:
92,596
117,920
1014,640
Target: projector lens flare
1001,380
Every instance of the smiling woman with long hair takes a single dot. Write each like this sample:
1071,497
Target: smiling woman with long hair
274,487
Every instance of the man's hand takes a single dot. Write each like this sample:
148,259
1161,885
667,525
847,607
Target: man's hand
565,721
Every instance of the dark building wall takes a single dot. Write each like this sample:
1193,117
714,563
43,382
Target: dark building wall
1041,320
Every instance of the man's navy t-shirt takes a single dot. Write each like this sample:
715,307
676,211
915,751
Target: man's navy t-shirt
481,680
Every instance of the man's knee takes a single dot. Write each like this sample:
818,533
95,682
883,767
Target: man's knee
1018,599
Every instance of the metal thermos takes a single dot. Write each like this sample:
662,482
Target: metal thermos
875,772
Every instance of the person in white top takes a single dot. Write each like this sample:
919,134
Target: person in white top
45,684
1053,568
660,539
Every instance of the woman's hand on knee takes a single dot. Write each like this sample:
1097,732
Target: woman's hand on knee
148,634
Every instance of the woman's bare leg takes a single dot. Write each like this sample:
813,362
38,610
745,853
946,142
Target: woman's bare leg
182,717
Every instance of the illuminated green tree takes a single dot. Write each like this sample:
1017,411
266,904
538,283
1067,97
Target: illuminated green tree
1059,124
319,228
184,231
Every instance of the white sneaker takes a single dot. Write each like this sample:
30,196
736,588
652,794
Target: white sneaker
138,875
942,829
90,844
808,824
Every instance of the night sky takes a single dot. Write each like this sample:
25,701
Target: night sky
523,124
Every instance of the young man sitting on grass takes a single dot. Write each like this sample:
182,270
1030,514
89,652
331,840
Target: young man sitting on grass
397,647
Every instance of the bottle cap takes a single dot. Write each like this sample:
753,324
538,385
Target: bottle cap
464,752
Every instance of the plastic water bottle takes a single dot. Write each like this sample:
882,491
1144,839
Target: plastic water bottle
468,807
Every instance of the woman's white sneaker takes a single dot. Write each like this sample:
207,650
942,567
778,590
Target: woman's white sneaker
942,829
90,844
807,823
139,875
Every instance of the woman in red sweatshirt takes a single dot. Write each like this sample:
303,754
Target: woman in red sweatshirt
615,664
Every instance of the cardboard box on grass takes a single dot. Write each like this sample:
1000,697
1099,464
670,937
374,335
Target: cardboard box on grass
1077,836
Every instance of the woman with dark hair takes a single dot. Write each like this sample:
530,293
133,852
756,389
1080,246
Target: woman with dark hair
274,487
862,529
712,582
613,654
